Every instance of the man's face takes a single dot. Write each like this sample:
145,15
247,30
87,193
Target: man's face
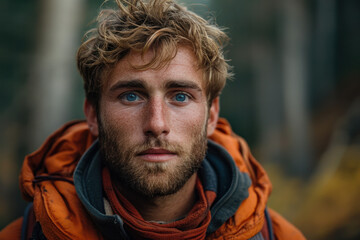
153,124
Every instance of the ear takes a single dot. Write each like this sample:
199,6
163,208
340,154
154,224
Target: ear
91,117
213,116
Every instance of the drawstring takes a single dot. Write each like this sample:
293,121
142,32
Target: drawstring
51,178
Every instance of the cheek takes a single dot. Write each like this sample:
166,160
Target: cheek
123,123
190,123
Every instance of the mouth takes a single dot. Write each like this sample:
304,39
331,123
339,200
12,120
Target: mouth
156,155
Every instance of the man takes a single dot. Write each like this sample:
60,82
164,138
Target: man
152,161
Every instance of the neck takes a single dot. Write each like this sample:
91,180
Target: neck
165,208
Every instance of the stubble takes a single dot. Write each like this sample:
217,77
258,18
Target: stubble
151,179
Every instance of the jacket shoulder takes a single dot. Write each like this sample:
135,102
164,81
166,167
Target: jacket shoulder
283,229
12,231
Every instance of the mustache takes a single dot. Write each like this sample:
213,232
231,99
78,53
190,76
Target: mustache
156,143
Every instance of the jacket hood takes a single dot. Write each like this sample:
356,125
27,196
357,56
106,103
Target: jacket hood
47,180
249,218
58,156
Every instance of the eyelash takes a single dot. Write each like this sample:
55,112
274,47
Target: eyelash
123,96
187,96
139,96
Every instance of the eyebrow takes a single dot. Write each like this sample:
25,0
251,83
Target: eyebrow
128,84
182,84
137,83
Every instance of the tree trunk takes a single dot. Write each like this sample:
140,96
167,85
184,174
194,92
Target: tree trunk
52,75
295,75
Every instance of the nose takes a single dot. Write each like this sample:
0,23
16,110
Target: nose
156,118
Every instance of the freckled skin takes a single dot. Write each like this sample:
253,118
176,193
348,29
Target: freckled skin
154,109
156,113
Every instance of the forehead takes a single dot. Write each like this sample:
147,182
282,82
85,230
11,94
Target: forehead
183,66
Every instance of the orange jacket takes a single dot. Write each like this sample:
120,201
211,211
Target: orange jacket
62,215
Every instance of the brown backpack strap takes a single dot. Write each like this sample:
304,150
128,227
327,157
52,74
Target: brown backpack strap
258,236
31,229
28,224
266,232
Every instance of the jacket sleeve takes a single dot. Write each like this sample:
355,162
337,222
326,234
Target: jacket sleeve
284,230
12,231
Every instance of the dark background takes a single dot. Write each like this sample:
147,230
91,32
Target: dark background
295,96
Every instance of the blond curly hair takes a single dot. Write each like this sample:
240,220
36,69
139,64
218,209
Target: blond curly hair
156,25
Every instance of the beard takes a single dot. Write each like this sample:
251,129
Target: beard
151,179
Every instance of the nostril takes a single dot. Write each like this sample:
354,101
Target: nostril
156,131
149,133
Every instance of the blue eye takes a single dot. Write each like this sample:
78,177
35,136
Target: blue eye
181,97
131,97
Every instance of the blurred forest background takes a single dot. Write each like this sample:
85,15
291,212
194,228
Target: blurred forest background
295,96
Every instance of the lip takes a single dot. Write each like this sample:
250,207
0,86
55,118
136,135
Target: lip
156,155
